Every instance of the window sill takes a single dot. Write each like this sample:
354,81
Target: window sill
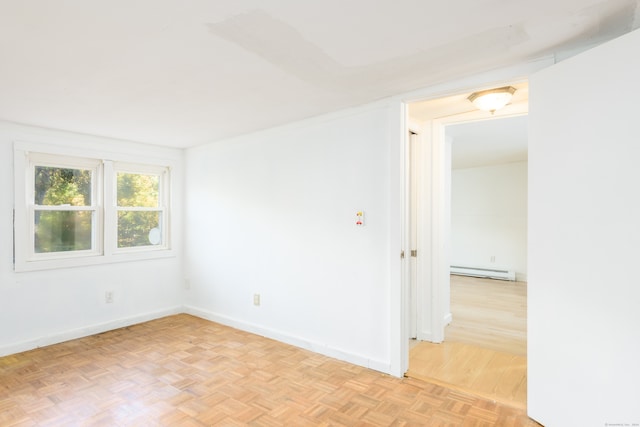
94,260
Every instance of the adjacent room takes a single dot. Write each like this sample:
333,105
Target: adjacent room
205,215
485,344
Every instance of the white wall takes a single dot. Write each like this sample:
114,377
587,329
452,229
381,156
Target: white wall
489,217
39,308
274,213
584,237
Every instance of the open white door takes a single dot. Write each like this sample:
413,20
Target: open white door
584,238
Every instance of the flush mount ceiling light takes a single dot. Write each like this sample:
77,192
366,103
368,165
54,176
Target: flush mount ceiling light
492,99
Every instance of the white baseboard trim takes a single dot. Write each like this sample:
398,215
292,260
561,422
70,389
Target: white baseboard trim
428,336
425,336
284,337
448,319
85,331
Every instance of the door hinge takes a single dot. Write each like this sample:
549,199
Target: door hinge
401,254
414,253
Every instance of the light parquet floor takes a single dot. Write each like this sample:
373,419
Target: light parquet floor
185,371
485,346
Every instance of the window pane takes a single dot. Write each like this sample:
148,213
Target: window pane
58,186
138,229
138,190
61,231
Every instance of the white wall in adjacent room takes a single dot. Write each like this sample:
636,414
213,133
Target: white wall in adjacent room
274,213
44,307
489,217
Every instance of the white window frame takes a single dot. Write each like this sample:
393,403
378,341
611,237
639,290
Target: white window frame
48,160
163,204
104,227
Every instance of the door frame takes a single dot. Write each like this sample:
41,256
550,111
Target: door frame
398,162
433,227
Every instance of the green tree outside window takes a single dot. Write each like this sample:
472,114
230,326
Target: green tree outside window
139,212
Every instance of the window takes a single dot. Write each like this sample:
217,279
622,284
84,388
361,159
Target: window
64,208
80,211
140,207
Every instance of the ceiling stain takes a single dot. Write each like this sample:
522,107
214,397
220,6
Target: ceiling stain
283,46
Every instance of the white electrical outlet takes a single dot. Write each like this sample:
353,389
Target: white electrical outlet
256,299
493,258
187,284
108,297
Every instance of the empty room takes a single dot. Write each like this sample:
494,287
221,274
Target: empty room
206,209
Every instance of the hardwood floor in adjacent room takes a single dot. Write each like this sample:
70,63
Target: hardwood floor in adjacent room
494,375
185,371
489,313
485,345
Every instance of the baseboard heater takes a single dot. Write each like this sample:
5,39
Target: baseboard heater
483,272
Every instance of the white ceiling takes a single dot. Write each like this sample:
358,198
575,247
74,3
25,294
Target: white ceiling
488,142
182,73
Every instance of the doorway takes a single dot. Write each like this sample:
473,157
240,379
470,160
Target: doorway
489,233
461,148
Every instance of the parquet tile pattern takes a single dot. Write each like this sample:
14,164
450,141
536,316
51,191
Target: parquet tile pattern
185,371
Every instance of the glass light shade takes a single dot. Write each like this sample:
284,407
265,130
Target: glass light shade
492,99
